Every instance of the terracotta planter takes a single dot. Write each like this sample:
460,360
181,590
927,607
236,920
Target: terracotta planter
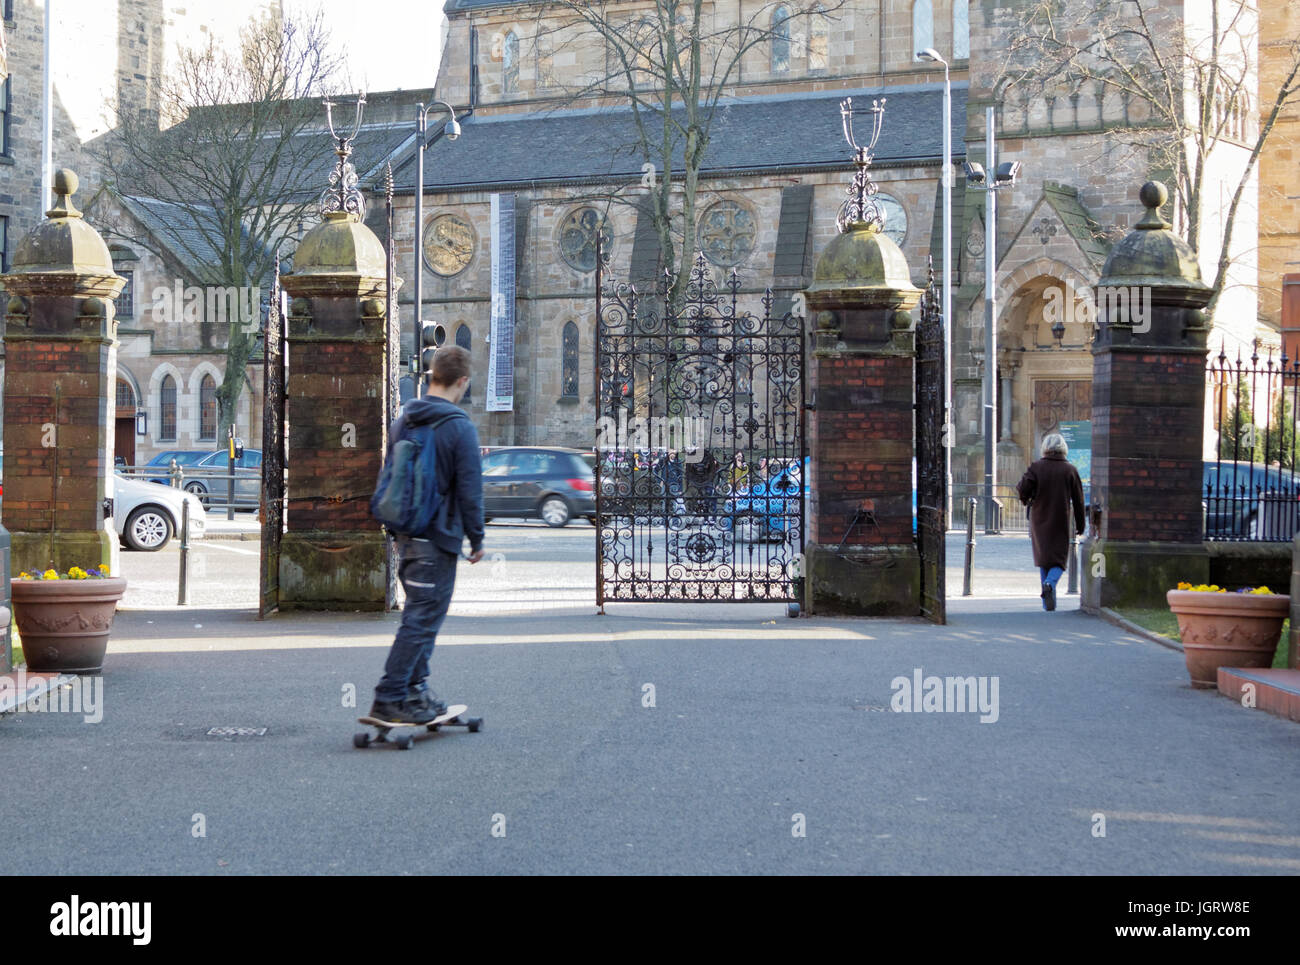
65,624
1227,630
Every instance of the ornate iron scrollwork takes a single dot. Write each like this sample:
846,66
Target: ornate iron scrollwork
342,193
861,205
701,474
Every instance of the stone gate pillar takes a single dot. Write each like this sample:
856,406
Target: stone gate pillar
861,554
332,553
60,374
1148,418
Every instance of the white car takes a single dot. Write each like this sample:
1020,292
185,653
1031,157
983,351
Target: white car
147,515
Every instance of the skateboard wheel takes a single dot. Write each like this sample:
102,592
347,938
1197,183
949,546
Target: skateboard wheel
405,742
361,740
475,724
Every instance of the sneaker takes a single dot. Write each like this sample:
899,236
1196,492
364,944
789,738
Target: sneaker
403,713
1049,597
426,700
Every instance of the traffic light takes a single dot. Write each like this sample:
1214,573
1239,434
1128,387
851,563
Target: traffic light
432,336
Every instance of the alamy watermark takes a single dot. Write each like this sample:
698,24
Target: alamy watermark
129,919
215,304
82,695
919,694
1073,303
685,434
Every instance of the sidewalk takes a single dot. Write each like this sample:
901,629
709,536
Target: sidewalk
243,527
660,738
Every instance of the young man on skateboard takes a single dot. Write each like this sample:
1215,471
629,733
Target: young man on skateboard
428,562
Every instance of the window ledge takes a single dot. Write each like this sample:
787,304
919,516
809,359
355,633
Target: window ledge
7,159
567,400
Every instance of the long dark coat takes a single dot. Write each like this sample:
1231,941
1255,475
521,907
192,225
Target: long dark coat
1051,488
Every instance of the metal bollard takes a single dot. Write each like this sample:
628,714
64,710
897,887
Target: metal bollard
7,634
970,547
1073,568
183,593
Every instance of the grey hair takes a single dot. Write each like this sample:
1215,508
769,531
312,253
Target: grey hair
1055,442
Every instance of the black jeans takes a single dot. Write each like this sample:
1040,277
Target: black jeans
428,575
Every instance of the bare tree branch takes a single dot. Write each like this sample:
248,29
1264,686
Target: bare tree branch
226,148
1199,95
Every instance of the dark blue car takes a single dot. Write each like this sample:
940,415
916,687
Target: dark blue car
1249,501
766,510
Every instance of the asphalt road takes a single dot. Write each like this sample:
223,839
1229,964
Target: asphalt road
656,738
760,727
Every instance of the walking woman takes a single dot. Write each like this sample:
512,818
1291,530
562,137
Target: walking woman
1051,488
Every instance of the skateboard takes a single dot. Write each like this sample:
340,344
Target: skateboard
451,718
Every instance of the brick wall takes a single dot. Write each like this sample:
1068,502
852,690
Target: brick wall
334,407
860,438
1147,416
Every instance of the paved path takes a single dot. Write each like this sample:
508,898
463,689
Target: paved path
758,719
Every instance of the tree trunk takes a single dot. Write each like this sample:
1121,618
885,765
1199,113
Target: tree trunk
238,350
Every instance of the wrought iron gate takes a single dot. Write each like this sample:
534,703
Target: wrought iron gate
273,448
392,371
931,465
700,470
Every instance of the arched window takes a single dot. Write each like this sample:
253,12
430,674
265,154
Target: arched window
463,340
781,40
167,405
818,39
125,399
960,30
569,362
922,27
510,64
208,409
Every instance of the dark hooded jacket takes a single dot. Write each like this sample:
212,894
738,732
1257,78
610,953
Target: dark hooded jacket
460,479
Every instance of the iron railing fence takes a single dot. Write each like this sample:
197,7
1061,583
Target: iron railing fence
1249,489
210,483
1014,519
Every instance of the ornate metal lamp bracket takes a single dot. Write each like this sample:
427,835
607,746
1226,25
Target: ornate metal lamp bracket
861,206
342,193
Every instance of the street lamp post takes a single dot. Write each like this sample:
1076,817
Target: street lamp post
997,176
452,130
946,168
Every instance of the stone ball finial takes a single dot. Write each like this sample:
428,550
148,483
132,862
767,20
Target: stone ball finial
1153,194
1154,256
65,181
65,186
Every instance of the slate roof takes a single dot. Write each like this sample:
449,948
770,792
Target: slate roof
1081,225
312,149
177,230
748,135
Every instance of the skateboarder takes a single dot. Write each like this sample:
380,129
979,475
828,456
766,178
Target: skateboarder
428,563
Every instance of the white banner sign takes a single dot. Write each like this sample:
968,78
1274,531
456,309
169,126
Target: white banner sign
501,350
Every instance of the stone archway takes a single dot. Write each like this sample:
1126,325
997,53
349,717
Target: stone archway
1044,381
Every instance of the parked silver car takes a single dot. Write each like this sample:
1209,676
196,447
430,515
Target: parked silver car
147,515
206,479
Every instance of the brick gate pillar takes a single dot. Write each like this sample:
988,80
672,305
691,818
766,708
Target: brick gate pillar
1148,418
861,555
59,381
332,552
